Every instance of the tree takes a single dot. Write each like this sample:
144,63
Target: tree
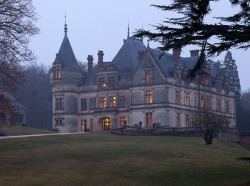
191,29
243,112
209,123
17,18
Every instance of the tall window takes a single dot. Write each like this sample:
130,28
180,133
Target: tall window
149,120
149,98
202,101
102,82
207,79
202,78
91,125
187,120
112,82
57,73
59,103
103,102
148,76
218,105
83,104
177,97
122,101
112,101
123,121
92,103
178,120
186,99
208,103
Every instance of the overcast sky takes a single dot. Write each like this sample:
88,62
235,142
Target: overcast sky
102,25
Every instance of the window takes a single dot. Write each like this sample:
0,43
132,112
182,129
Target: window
186,99
187,120
123,121
227,110
149,98
102,82
59,122
92,103
57,74
83,125
202,102
103,102
218,87
112,82
218,105
122,101
149,121
178,120
207,79
59,103
91,125
208,103
83,104
202,78
177,97
148,76
112,101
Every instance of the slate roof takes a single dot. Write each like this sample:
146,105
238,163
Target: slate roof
66,55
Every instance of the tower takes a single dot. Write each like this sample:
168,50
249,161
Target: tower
65,78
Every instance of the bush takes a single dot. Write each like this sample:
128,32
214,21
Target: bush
55,130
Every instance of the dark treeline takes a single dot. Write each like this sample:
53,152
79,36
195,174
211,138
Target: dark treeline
36,95
243,110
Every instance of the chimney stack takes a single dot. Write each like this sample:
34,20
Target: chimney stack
100,58
177,54
194,53
90,62
140,55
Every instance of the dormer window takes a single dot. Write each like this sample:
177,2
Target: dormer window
148,76
57,73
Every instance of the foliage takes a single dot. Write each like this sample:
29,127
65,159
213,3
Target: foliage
208,123
17,20
190,28
243,110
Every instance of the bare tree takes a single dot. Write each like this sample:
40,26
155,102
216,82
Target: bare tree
208,123
17,24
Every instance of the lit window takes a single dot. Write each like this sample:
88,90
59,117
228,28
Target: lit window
149,120
103,102
123,121
202,102
202,78
178,120
186,99
91,125
112,101
57,73
148,76
177,97
149,96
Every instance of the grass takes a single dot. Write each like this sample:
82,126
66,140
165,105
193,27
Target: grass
105,159
11,130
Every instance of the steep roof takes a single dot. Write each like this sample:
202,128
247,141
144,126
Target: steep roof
126,60
67,55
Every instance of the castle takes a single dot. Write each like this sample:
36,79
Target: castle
140,85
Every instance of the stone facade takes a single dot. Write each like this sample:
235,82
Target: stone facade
139,85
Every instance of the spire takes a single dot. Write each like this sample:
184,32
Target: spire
65,25
128,28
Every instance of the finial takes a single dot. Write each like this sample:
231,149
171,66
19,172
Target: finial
128,28
65,25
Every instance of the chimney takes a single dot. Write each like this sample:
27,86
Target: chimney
100,58
90,62
194,53
177,54
140,55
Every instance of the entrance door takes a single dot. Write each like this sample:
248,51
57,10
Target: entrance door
106,124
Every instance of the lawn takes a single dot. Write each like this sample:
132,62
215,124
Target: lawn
11,130
105,159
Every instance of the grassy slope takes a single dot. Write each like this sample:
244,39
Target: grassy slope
105,159
17,130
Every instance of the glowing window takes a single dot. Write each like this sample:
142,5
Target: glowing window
186,99
57,73
149,120
112,101
149,96
103,102
123,121
202,102
148,76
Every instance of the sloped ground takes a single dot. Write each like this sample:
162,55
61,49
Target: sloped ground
106,159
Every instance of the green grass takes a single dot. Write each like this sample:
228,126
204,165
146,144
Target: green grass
18,130
106,159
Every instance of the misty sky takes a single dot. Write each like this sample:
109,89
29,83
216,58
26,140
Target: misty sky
102,25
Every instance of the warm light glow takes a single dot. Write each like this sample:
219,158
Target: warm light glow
148,77
104,103
202,102
186,99
149,96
